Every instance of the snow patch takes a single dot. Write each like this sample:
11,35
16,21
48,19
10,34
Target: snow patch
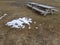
19,23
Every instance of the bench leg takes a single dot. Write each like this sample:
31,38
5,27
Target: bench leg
45,14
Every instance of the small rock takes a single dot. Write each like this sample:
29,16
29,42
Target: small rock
34,22
29,27
5,14
40,24
36,27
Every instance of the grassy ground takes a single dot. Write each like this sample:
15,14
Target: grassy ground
48,32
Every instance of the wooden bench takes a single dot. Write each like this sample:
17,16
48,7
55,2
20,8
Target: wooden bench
51,9
39,10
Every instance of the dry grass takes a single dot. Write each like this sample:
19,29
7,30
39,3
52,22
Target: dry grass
48,32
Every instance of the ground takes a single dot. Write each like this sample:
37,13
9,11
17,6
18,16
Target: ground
48,32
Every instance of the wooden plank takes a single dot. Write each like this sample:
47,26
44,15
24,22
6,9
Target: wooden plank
3,16
45,6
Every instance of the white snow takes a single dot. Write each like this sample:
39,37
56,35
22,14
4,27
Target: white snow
19,23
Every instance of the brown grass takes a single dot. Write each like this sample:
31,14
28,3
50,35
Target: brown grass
48,32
